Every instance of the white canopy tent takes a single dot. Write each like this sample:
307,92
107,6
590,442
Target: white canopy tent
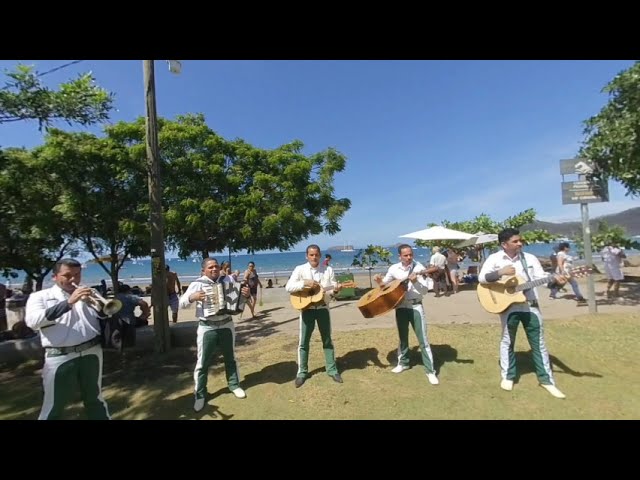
438,232
479,239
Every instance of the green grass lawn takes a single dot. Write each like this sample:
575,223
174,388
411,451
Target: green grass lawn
595,363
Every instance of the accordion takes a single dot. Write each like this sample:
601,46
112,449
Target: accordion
223,299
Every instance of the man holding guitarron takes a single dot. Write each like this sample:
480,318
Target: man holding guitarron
410,310
310,277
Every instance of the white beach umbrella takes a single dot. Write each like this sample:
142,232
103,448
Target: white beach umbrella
438,233
479,239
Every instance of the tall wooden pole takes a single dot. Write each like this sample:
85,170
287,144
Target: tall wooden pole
158,272
586,236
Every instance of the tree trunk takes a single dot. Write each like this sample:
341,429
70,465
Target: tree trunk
114,280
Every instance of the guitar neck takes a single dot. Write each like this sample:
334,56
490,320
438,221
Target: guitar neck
534,283
348,284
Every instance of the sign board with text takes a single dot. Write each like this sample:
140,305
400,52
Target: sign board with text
584,191
579,166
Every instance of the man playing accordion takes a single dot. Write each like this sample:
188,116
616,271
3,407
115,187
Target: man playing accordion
214,330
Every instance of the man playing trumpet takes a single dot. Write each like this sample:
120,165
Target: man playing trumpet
70,334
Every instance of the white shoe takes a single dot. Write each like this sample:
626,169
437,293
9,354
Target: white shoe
433,380
553,390
399,368
506,385
199,404
239,393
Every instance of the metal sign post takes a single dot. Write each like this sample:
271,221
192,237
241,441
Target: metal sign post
584,191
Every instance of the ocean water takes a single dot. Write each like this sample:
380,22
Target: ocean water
269,265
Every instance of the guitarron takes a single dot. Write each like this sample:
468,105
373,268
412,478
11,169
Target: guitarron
496,297
382,299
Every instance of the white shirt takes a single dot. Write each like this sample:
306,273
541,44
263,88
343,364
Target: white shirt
197,286
438,260
498,260
611,256
415,290
323,274
568,262
78,325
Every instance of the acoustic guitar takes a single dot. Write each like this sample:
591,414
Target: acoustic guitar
382,299
496,297
310,297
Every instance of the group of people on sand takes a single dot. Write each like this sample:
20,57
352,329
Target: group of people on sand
70,328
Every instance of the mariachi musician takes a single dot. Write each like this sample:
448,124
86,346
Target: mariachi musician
213,330
311,276
70,332
410,310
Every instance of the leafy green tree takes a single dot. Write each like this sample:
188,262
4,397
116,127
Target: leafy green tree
613,139
25,97
606,235
370,257
32,236
485,224
220,194
104,195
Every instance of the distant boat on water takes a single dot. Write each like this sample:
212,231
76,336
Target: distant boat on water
347,248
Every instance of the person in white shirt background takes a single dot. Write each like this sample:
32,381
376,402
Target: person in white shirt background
564,264
612,256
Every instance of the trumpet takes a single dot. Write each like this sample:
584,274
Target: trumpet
101,304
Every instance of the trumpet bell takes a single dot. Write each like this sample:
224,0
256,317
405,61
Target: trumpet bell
112,306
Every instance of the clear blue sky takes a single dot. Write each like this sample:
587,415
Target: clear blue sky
425,141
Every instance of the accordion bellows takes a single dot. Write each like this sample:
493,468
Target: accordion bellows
223,299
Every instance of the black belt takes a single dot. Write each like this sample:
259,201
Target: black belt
57,351
533,303
416,302
214,323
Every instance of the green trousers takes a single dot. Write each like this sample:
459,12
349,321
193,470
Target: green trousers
308,319
414,316
63,375
533,328
208,341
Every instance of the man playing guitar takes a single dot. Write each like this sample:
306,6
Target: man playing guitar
410,310
511,260
312,275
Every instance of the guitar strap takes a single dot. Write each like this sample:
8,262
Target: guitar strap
524,266
413,265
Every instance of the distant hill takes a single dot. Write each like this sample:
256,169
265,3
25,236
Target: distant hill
629,220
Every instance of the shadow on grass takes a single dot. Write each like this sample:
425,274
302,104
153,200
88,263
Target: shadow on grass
354,360
441,355
359,360
249,331
524,365
629,294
